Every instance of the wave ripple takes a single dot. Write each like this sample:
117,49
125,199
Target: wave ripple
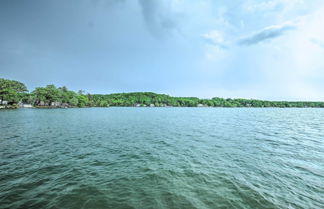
162,158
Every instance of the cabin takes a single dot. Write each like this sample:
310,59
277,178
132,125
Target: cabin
3,102
27,105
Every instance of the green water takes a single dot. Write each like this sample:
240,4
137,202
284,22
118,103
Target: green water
162,158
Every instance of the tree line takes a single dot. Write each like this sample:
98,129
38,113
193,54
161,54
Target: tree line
15,93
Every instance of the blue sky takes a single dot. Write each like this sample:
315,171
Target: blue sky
271,49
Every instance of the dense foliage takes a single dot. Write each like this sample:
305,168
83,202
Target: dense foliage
50,96
11,91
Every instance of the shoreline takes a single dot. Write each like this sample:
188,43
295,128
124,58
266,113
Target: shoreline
51,96
10,107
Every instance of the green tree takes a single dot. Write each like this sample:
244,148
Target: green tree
11,90
82,100
48,94
103,103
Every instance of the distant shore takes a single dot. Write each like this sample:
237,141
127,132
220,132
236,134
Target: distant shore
14,94
50,107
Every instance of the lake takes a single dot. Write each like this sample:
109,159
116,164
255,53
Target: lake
162,158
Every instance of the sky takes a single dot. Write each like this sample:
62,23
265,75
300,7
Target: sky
262,49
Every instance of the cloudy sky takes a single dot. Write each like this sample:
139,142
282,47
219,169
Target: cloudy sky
264,49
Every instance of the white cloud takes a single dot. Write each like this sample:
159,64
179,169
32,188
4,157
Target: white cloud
290,67
293,65
215,37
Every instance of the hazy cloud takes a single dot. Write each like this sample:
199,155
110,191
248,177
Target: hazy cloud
318,43
158,20
211,47
272,5
107,3
266,34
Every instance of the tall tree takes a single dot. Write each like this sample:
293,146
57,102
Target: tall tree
11,90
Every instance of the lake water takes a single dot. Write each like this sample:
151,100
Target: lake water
162,158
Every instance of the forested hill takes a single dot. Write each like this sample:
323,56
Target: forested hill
14,94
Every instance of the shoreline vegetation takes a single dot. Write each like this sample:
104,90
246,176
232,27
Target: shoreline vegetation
14,94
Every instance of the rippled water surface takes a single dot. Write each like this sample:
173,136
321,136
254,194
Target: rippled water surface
162,158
